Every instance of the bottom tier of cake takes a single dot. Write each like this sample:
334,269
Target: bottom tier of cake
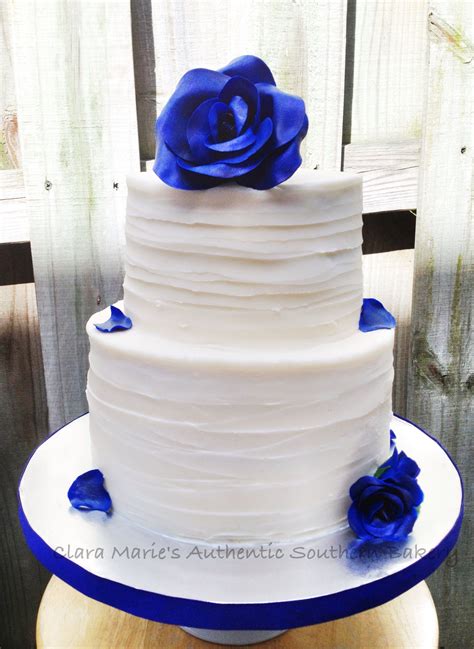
226,446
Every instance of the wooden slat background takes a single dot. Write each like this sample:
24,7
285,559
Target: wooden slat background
24,417
78,139
385,83
441,375
294,38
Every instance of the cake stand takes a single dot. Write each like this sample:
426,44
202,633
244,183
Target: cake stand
230,594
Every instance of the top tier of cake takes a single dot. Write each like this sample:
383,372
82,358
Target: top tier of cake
231,266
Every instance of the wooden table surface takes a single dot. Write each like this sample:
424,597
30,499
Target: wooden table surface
69,620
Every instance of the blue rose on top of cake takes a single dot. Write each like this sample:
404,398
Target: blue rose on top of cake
232,124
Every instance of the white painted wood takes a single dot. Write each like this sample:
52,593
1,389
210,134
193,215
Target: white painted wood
11,184
390,172
389,67
74,79
302,41
14,222
388,276
9,149
441,379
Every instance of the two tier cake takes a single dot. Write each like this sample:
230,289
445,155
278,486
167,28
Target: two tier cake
244,400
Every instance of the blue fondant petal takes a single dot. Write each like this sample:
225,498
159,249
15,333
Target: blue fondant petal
195,87
167,168
198,131
215,115
408,465
393,439
238,86
262,136
87,492
375,316
118,321
287,112
220,169
237,144
361,485
276,167
406,525
251,68
241,111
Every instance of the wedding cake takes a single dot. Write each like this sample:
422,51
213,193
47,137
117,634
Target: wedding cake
245,399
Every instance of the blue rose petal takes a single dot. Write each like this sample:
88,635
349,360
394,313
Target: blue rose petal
263,134
240,87
195,87
277,167
241,112
117,321
286,111
87,492
393,440
250,67
375,316
167,168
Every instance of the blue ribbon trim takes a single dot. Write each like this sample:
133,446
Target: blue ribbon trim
268,616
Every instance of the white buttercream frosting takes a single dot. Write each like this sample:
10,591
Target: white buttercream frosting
231,266
244,401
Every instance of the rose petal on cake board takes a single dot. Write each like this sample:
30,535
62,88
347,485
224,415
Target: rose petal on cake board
87,492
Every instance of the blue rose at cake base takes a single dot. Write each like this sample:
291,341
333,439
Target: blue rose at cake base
385,506
232,124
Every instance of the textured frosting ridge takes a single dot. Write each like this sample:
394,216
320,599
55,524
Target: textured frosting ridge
231,267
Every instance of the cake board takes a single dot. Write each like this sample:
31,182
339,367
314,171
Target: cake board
275,586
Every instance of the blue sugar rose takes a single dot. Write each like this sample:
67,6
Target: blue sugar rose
229,125
385,506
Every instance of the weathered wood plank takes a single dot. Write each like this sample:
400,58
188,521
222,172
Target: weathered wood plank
24,425
388,63
11,184
145,81
9,147
303,42
440,388
388,276
14,222
390,172
74,78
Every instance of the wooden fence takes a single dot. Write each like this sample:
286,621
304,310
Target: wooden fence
388,88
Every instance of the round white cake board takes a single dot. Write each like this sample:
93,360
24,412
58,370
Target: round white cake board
278,586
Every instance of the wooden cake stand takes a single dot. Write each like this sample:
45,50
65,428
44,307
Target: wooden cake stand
70,620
